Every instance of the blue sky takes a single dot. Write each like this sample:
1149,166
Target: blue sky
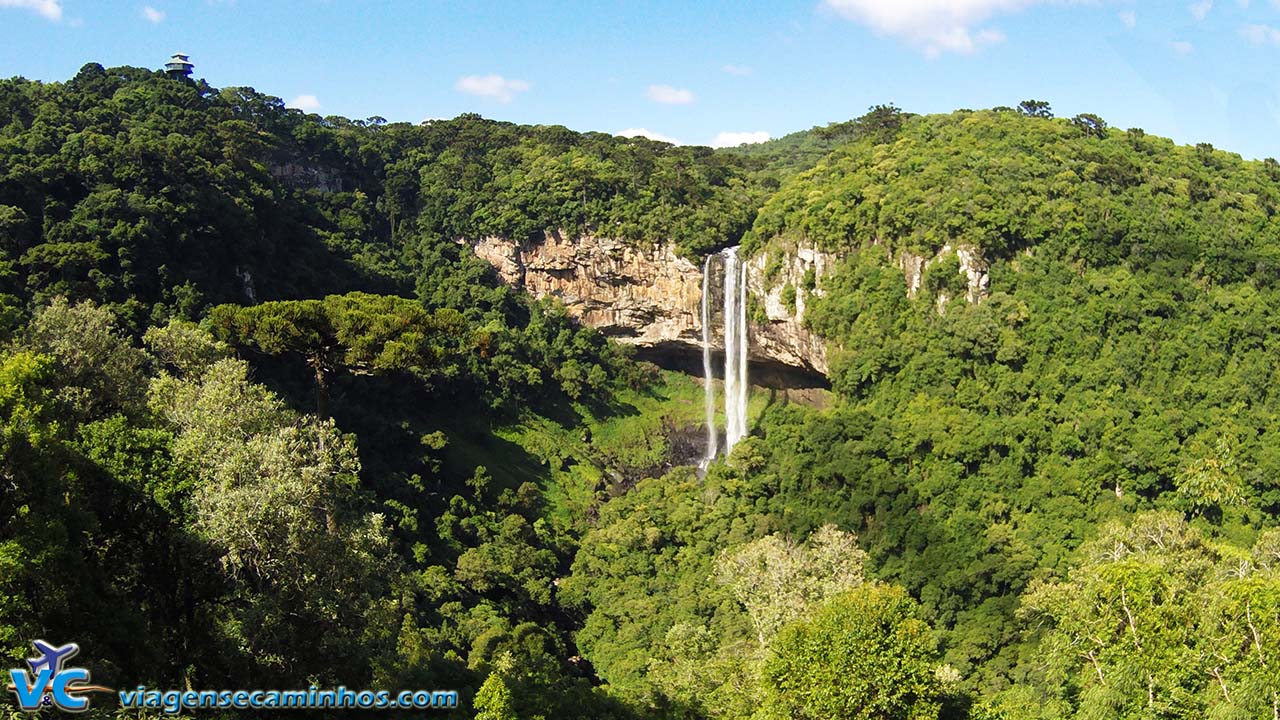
1197,71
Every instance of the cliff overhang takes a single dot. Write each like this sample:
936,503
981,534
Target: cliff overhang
650,297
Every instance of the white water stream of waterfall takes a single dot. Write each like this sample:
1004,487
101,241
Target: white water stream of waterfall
735,349
708,387
736,343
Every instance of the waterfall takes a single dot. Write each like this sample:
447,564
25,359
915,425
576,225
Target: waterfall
735,353
708,387
735,348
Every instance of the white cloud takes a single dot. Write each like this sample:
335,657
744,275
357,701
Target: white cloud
642,132
936,26
668,95
491,86
1200,9
50,9
306,103
1129,18
737,69
1260,34
1182,47
152,15
734,139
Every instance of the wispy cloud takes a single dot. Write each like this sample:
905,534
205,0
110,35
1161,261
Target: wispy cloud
734,139
50,9
1129,18
642,132
152,15
306,103
1260,34
1182,47
741,70
935,26
491,86
1200,9
668,95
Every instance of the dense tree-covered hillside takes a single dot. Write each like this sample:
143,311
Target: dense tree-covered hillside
265,422
437,440
1124,361
161,196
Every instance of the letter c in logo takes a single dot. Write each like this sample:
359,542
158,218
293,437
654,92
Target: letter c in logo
61,697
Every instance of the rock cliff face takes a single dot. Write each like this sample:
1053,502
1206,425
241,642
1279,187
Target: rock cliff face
644,297
307,176
972,266
651,298
794,273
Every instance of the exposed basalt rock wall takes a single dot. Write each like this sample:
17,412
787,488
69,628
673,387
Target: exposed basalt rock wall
650,297
307,176
972,265
783,337
640,296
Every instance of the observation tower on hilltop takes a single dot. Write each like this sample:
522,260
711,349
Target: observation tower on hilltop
179,67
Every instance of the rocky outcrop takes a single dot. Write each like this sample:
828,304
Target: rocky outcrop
650,297
786,279
641,296
972,265
306,176
976,270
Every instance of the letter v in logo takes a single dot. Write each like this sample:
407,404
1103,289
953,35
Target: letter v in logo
29,693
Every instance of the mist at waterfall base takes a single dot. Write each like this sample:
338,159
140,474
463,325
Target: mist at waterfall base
735,353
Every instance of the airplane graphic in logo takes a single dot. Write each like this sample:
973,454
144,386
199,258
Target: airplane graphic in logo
50,682
51,657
